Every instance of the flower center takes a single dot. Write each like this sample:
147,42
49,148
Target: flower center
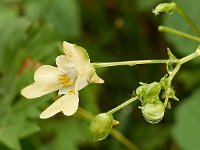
65,80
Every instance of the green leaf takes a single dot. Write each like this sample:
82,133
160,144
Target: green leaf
43,44
13,34
186,128
67,133
183,46
14,124
62,15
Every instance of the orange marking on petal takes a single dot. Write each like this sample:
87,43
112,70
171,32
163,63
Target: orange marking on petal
71,91
65,80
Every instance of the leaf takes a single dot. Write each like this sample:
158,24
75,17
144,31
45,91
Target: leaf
15,126
43,45
13,33
183,46
186,128
64,16
68,133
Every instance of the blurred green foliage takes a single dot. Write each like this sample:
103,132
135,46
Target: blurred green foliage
179,23
31,34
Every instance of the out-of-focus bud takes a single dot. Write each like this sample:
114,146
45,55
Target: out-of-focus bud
153,113
164,7
101,126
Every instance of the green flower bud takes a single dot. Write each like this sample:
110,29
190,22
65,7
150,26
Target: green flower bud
101,126
164,7
153,113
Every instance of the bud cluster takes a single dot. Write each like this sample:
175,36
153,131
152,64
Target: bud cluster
152,96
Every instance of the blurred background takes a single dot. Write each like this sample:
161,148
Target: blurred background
31,34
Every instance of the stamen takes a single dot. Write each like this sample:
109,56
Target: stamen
65,80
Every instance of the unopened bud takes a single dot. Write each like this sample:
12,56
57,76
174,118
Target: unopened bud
164,7
101,126
153,113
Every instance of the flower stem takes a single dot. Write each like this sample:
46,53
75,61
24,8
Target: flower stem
112,111
178,66
173,31
169,82
190,57
120,137
188,20
132,63
84,114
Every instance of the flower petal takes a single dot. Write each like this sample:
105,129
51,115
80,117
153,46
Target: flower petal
78,56
71,49
96,79
38,89
81,82
68,104
47,74
66,65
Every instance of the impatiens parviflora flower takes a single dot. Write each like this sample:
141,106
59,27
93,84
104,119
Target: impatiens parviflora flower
101,126
73,72
164,7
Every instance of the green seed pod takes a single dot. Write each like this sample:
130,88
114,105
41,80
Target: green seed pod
101,126
153,113
165,7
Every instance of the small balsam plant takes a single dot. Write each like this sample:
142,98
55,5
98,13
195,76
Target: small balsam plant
74,71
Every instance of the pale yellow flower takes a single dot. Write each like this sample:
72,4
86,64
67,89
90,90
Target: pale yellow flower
73,72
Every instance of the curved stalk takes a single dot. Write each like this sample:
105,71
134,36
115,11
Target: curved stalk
174,31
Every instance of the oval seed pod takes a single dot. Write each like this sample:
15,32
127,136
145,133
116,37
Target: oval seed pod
153,113
101,126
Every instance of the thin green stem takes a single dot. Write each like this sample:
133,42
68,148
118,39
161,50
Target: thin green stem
188,20
173,31
84,114
132,63
112,111
189,57
120,137
169,82
176,69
